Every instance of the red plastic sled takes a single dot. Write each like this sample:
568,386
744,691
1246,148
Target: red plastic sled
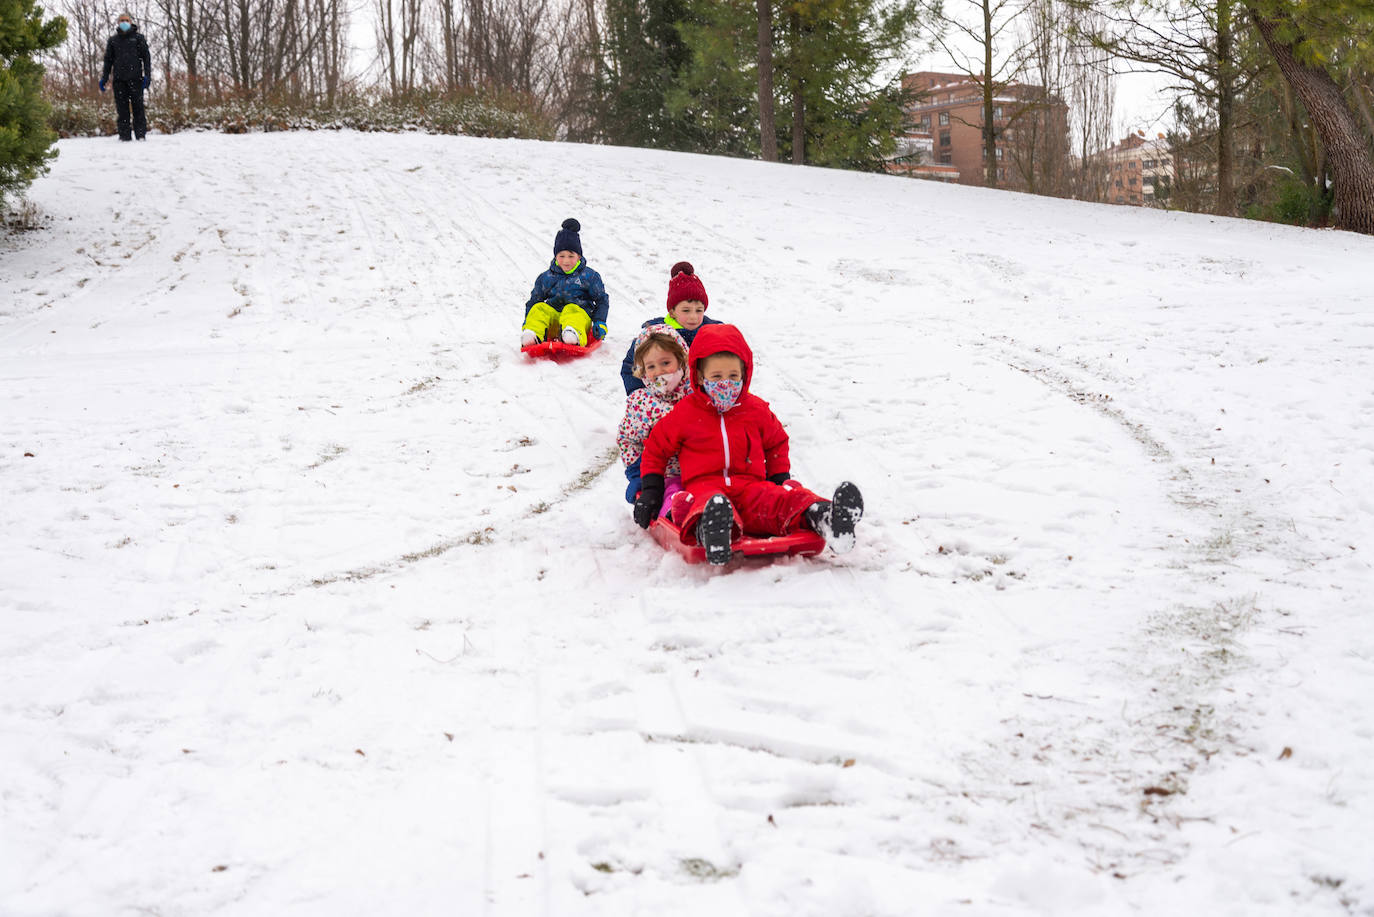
559,351
805,543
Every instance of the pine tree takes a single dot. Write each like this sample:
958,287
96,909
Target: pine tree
26,142
832,63
644,59
834,52
718,89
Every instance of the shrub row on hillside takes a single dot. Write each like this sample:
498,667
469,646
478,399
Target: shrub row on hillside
473,116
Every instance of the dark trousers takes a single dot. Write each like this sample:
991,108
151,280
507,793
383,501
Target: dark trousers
129,95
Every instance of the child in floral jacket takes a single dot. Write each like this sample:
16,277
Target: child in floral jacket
660,359
733,455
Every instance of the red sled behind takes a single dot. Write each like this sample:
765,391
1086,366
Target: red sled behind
805,543
559,351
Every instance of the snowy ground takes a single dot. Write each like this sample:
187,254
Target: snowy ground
316,598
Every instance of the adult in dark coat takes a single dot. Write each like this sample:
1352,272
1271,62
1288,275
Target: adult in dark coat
128,61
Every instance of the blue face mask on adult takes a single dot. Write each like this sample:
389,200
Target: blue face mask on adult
125,26
723,392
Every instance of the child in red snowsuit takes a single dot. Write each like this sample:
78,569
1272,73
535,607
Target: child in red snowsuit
733,454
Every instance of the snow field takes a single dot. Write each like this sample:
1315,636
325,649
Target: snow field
318,598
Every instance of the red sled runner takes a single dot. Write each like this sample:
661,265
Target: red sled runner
805,543
559,351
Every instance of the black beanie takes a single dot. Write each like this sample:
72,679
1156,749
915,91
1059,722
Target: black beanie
568,239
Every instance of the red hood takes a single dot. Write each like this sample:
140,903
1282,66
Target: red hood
712,339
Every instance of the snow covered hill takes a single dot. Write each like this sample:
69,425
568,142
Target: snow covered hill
317,598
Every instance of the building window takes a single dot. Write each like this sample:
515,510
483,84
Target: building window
944,118
1118,184
945,159
1001,173
1149,163
925,122
1135,164
997,112
1131,181
999,152
944,138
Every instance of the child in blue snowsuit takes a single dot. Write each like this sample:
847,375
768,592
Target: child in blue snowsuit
687,303
569,294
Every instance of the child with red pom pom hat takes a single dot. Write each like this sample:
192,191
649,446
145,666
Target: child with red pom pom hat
687,302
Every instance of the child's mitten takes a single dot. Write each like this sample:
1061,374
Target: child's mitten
649,501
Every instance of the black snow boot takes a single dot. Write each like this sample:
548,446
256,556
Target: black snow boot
713,530
835,520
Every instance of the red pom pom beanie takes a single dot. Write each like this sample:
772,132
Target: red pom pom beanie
685,284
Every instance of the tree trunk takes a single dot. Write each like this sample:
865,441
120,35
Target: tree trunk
798,103
768,129
1306,154
1226,104
1348,153
989,129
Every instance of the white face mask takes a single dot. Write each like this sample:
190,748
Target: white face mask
668,382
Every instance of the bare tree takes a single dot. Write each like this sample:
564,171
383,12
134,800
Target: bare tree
189,26
398,32
987,25
1194,43
449,55
1092,104
578,71
1038,132
329,65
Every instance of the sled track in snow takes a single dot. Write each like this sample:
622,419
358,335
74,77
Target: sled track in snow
1194,718
475,538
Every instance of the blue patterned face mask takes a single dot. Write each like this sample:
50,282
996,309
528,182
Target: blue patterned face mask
723,392
125,26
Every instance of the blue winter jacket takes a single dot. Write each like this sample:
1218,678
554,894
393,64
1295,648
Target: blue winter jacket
583,286
627,366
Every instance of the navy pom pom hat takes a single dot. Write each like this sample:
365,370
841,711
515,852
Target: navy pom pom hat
685,284
568,239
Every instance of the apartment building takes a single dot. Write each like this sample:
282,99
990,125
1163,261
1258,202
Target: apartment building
1138,168
915,158
949,107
